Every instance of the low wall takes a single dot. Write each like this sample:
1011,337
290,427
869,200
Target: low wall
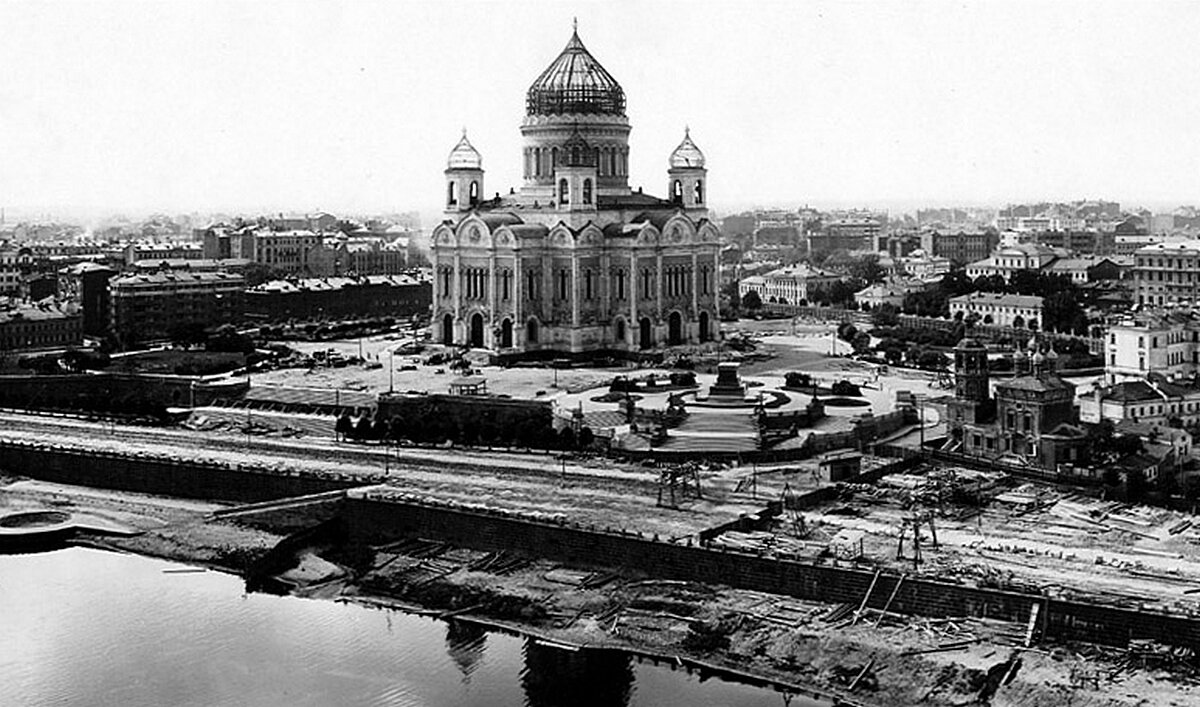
378,520
113,392
160,476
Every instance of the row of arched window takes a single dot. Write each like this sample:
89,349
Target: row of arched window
697,192
609,161
452,195
564,192
677,282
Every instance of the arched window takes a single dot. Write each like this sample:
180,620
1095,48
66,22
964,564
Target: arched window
699,191
564,193
677,192
553,157
452,193
596,159
587,191
474,193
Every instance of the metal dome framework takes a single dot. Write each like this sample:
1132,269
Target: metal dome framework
575,83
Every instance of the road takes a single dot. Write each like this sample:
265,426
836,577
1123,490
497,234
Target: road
597,492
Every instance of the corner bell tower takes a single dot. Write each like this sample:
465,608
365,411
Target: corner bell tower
464,177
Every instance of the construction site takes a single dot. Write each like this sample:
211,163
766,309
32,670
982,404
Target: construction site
865,569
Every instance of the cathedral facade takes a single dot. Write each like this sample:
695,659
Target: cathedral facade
575,261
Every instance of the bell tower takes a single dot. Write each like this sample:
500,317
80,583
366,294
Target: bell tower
464,177
686,176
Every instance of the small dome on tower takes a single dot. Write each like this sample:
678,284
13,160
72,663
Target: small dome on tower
464,155
687,154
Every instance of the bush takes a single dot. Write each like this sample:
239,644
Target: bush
796,379
845,388
683,378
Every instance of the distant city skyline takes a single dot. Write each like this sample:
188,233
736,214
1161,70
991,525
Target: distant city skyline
352,108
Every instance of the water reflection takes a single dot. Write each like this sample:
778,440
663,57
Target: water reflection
84,627
465,644
554,677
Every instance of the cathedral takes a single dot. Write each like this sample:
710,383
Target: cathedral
574,261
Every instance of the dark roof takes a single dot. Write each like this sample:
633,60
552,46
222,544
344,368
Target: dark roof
1036,383
497,219
1137,462
1132,392
634,200
575,83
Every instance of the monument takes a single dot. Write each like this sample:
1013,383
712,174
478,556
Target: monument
728,384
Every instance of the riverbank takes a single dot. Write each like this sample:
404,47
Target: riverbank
877,659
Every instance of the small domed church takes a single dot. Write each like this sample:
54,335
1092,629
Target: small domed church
575,261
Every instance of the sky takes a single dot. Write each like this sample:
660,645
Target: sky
353,107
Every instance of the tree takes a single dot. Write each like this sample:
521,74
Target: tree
752,301
344,426
730,290
885,315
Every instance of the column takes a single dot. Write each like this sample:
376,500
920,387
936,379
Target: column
457,289
491,288
716,292
658,283
518,294
695,290
576,291
634,324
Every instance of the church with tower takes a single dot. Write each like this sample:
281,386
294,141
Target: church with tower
575,261
1031,419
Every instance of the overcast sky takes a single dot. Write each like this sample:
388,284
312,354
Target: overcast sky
353,107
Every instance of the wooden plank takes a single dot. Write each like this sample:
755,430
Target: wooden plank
866,598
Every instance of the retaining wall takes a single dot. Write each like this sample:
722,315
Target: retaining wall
378,520
160,476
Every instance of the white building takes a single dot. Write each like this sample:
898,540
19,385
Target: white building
1008,259
1149,400
1001,310
1167,343
1167,273
923,266
891,292
787,285
10,271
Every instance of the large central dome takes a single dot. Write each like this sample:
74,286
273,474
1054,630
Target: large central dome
575,83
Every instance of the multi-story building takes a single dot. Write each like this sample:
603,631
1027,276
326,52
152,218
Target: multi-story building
1167,273
923,266
963,246
1163,342
148,307
1012,258
86,284
791,285
575,261
1018,311
150,250
1151,399
10,270
892,291
847,233
39,327
402,295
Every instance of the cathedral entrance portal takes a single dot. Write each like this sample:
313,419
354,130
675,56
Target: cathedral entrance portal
448,330
704,336
674,329
476,331
647,340
506,334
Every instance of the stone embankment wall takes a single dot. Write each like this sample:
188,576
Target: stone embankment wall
383,518
115,392
376,519
160,475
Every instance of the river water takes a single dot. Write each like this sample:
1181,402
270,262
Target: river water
86,627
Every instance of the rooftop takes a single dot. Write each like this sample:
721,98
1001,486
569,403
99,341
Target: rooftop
575,83
995,298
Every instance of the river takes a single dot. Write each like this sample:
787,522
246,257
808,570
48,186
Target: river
85,627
